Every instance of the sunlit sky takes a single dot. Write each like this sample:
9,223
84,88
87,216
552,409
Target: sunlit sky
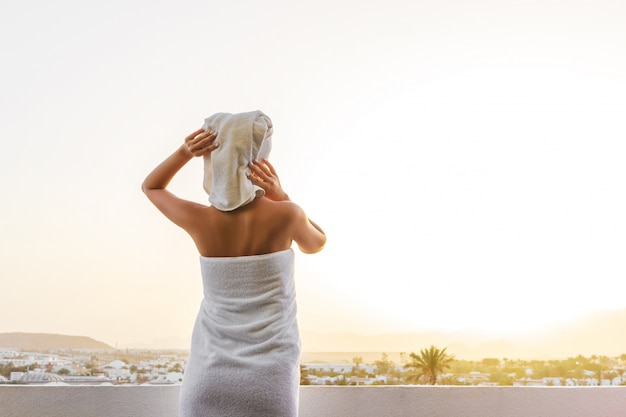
465,158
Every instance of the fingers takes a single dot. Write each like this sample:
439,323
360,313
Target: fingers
194,134
270,167
263,174
201,142
256,180
261,170
200,137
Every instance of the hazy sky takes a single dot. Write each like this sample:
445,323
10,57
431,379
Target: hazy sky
466,158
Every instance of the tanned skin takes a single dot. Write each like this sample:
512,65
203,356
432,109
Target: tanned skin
268,224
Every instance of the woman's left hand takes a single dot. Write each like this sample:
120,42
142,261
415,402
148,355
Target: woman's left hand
263,174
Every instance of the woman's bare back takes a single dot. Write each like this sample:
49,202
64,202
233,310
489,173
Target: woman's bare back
262,226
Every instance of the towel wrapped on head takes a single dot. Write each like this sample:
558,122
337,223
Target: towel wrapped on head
242,138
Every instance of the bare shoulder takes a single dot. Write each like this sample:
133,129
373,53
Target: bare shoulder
283,208
309,237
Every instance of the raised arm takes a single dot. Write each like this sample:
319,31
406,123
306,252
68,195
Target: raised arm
154,186
309,237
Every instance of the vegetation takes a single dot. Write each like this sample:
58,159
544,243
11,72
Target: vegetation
5,370
384,366
435,366
428,364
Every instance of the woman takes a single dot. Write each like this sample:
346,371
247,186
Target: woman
245,352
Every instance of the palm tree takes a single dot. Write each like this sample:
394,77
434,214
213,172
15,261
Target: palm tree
429,364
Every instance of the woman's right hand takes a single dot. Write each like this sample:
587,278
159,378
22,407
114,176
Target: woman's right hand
201,142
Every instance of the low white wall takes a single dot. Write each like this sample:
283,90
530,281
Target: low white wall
88,401
387,401
456,401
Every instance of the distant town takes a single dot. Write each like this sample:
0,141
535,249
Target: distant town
115,367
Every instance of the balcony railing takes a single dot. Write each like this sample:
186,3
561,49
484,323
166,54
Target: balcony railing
383,401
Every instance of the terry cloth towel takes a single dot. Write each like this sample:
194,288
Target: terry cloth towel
245,348
242,138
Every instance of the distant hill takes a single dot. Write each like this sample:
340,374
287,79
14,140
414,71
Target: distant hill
598,333
49,341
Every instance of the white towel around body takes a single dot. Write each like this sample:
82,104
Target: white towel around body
242,138
245,349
